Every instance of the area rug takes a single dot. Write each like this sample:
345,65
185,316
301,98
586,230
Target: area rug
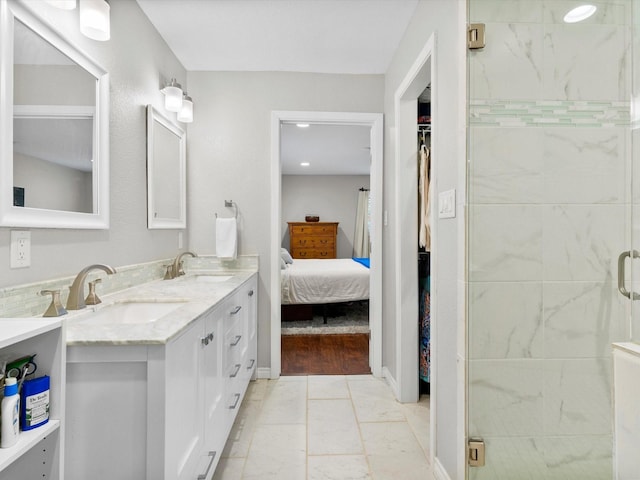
351,317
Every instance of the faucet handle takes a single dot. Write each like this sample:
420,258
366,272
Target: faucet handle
55,309
92,297
168,274
180,271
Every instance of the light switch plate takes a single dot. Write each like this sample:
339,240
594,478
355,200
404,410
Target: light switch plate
20,248
447,204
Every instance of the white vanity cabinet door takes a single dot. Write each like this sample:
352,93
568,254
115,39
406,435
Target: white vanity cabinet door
214,416
184,429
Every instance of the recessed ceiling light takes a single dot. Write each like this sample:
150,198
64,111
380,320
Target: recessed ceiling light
580,13
302,125
304,164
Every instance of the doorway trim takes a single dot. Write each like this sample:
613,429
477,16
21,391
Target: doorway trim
375,121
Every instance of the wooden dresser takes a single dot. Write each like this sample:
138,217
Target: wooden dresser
313,239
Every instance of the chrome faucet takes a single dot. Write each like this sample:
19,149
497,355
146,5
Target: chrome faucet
76,290
175,269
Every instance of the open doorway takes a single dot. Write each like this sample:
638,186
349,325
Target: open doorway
373,126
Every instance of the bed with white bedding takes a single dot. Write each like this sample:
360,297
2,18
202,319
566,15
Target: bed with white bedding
322,281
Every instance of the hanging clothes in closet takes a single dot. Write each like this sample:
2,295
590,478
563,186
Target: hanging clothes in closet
424,257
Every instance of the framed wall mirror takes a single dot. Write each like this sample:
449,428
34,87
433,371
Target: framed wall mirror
166,173
54,128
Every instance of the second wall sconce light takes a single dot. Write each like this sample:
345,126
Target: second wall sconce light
175,100
95,21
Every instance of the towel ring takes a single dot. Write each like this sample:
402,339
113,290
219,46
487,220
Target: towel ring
230,204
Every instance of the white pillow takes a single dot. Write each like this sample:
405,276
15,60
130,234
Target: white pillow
283,265
286,256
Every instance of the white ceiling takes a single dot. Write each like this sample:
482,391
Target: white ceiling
329,149
319,36
322,36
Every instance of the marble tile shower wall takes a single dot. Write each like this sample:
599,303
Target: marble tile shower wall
549,155
25,300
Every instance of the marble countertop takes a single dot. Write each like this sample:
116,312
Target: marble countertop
194,297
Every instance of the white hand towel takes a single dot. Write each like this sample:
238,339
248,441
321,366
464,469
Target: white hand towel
226,238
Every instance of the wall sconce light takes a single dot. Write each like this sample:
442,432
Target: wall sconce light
94,19
63,4
172,96
185,114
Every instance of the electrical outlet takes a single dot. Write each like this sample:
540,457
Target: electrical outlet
20,248
180,241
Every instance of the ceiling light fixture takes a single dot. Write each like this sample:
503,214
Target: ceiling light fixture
580,13
94,19
302,125
185,114
62,4
173,96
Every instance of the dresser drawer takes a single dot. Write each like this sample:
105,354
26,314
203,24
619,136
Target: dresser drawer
316,230
313,242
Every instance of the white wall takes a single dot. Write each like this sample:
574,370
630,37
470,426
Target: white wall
229,153
334,198
138,62
442,18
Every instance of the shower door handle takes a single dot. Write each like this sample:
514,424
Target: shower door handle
621,273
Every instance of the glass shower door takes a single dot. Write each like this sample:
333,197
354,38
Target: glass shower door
549,188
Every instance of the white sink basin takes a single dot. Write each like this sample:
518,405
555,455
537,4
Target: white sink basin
131,312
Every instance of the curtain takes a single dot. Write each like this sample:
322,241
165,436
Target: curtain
361,244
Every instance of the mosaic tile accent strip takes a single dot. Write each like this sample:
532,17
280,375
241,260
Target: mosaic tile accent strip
21,301
548,113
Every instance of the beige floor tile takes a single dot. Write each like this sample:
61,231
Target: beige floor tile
285,402
406,466
338,467
257,389
332,428
328,386
389,438
229,469
242,432
374,401
277,452
418,417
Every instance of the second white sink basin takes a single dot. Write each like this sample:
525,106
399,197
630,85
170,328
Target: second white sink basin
132,312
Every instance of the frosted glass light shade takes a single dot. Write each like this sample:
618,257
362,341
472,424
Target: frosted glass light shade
173,96
94,19
63,4
185,114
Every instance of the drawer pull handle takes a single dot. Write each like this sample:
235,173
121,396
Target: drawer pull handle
235,404
236,310
205,475
250,293
234,374
253,362
236,341
206,339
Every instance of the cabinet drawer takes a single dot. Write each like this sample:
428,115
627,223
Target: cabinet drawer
313,253
313,230
313,241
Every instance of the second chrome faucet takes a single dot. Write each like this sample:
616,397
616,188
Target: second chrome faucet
174,270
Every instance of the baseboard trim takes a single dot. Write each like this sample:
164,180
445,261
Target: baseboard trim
439,472
386,374
264,372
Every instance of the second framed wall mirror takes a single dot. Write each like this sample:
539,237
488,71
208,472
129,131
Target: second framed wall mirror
166,173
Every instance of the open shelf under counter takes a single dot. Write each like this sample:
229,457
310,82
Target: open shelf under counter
26,441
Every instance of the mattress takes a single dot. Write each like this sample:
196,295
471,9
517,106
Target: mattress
317,281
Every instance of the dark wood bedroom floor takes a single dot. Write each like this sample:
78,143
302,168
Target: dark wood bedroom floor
334,354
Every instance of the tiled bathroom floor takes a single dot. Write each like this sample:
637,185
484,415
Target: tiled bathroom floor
326,428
